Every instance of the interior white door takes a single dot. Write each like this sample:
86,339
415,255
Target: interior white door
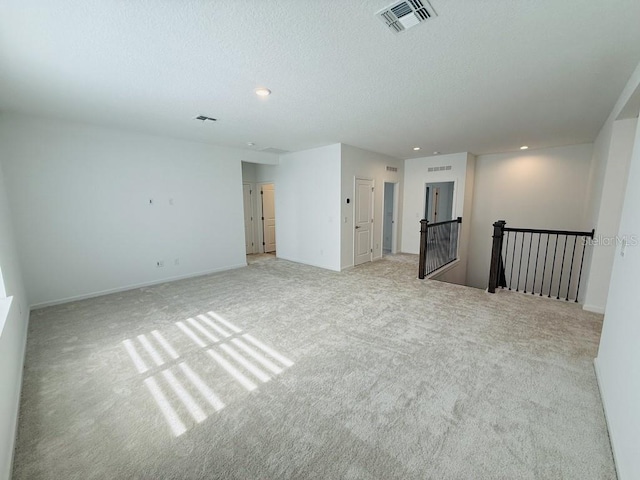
363,221
268,218
247,193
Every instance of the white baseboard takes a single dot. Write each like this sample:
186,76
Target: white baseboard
308,263
593,308
75,298
606,416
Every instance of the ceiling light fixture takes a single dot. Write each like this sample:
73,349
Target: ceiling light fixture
436,153
263,92
416,148
250,144
524,147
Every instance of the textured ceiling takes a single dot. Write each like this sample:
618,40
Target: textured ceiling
484,76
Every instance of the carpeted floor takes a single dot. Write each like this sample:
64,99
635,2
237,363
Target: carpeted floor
284,371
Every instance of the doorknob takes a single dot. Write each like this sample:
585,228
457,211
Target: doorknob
357,226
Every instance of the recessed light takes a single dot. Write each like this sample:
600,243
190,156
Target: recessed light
250,144
416,148
436,153
263,92
524,147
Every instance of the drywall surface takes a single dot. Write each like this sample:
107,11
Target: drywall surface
608,218
249,172
544,188
372,166
307,201
14,318
618,362
96,209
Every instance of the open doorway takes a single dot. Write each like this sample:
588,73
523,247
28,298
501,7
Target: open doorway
258,190
389,229
438,205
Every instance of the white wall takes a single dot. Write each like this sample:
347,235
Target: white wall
369,165
544,188
14,317
621,138
618,362
80,199
307,200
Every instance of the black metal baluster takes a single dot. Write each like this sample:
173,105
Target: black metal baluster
544,267
520,262
526,277
564,252
553,265
535,272
513,256
584,247
573,256
506,255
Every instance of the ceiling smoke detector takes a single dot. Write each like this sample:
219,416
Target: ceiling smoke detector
401,16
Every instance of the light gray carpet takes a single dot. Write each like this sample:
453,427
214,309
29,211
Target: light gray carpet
392,378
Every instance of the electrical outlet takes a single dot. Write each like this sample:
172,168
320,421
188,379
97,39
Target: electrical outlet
160,263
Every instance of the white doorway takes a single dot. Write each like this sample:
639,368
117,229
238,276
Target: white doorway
363,220
247,196
438,205
267,195
389,228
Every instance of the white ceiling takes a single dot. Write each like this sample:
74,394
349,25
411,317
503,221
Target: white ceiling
484,76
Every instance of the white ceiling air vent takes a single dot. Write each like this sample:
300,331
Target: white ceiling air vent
438,169
400,16
204,118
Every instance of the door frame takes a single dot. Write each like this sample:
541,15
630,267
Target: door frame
454,201
394,219
353,216
252,187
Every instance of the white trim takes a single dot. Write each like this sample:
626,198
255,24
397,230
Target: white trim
254,229
133,287
606,417
12,302
593,308
324,267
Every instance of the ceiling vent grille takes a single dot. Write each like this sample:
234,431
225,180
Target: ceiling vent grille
204,118
392,169
400,16
437,169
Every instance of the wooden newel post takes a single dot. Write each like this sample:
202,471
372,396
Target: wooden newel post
423,249
496,254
